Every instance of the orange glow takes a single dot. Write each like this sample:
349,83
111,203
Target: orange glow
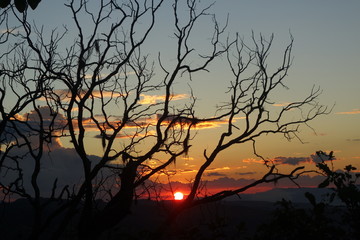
354,111
178,196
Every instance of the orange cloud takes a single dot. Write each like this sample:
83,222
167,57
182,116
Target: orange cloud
153,99
253,160
217,169
354,111
19,117
145,99
283,104
177,171
140,124
199,125
210,124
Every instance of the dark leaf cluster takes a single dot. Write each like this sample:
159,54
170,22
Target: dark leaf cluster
20,5
344,181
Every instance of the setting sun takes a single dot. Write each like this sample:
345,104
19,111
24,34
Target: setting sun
178,196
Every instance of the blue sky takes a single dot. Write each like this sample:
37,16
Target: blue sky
326,54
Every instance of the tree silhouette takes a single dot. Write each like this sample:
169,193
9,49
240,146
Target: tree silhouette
322,220
345,187
104,86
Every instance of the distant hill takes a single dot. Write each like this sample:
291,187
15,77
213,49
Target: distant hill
295,195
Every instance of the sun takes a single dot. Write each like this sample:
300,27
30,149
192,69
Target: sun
178,196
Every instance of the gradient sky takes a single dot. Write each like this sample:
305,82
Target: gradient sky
326,54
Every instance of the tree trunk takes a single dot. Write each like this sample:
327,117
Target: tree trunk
117,208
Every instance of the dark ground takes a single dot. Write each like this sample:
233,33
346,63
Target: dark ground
229,218
220,220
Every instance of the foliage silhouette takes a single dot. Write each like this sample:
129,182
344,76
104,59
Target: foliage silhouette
291,222
20,5
323,220
345,187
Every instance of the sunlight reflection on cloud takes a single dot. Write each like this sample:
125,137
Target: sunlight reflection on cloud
252,160
354,111
153,99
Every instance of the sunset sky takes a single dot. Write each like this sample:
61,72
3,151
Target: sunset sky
326,54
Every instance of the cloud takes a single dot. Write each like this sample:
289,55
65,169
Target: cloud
314,158
128,135
215,174
353,140
91,126
245,173
145,99
253,160
153,99
197,123
354,111
211,172
64,164
291,160
321,157
231,183
48,116
211,124
188,171
57,163
28,124
283,104
217,169
58,122
226,183
177,171
152,121
320,134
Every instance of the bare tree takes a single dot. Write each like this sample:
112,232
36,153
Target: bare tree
99,85
23,137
